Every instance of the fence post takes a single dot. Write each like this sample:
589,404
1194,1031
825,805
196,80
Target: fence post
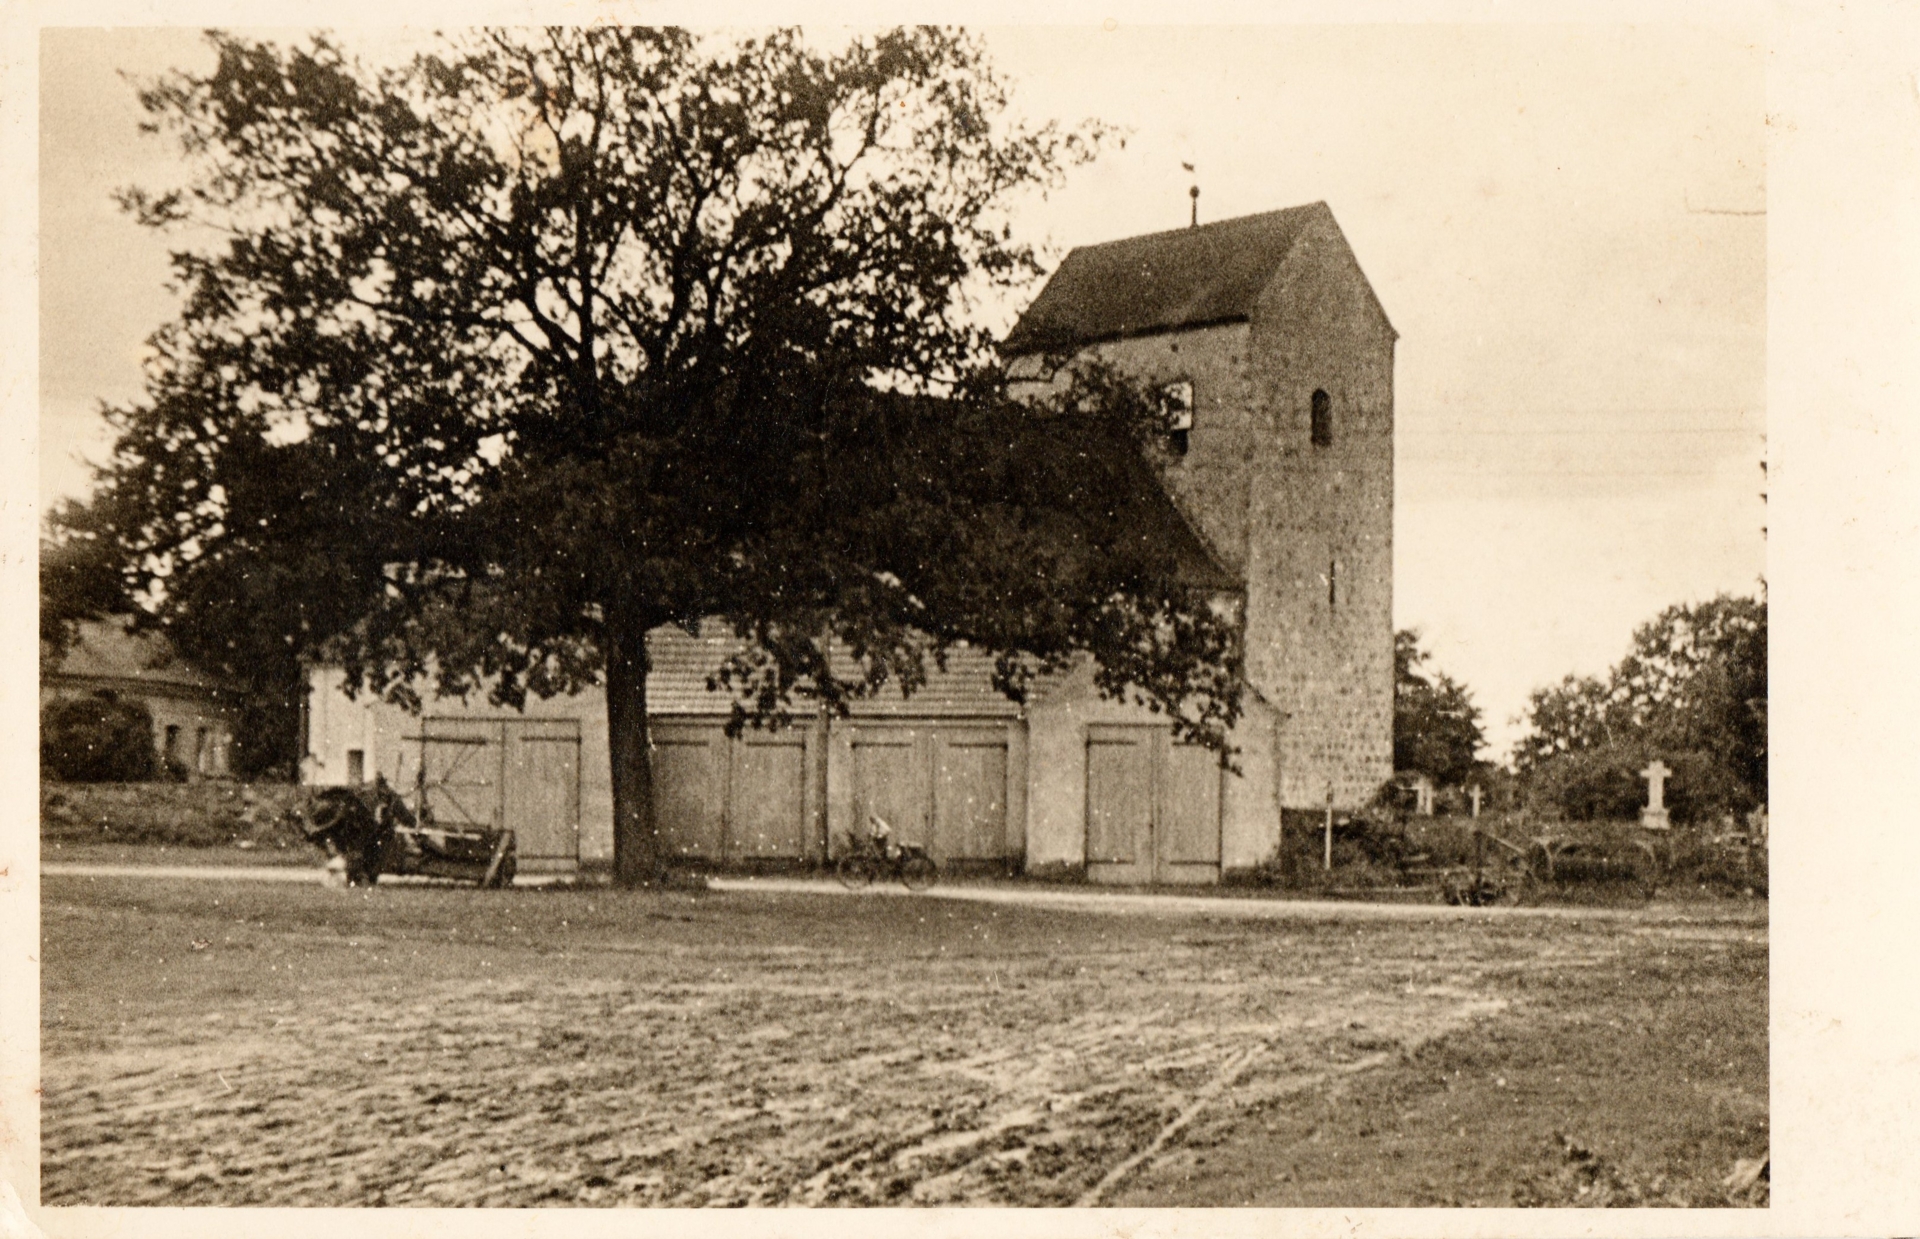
1329,856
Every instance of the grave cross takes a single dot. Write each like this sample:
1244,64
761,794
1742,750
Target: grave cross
1473,793
1654,816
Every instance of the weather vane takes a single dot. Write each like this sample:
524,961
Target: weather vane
1193,194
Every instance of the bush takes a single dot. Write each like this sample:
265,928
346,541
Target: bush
1368,848
1604,784
96,740
209,813
1728,864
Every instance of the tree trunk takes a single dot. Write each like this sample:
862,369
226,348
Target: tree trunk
638,859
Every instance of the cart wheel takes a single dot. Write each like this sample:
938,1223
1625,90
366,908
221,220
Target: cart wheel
854,872
919,872
1523,889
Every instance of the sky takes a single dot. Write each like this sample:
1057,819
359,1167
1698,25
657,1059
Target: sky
1565,223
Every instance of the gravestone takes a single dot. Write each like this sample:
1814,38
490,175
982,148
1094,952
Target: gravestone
1473,793
1654,816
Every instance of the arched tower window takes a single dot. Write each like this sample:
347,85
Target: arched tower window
1322,419
1176,401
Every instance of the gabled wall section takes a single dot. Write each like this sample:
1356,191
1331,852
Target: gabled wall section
1321,524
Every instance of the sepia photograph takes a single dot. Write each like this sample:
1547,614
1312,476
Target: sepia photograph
1104,616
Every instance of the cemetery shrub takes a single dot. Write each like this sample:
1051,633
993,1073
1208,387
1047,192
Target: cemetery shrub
1367,851
1700,859
99,739
1692,691
1605,784
1591,785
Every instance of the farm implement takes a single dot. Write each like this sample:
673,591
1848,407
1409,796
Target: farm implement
1503,871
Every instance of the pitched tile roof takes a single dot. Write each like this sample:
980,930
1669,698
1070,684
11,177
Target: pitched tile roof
677,683
1185,278
103,650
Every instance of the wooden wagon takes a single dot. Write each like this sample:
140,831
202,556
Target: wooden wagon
370,831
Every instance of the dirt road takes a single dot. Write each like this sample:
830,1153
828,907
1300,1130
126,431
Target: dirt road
1256,905
246,1043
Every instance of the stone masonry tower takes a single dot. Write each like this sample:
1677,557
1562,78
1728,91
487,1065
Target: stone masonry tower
1268,329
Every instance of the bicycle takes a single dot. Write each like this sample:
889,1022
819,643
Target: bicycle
876,854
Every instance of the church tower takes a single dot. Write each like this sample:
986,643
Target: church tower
1266,328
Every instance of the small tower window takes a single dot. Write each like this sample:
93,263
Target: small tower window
1176,401
1322,419
1333,578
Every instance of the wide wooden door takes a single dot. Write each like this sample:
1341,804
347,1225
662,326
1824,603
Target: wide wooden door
1120,804
732,799
542,790
1153,807
889,781
970,793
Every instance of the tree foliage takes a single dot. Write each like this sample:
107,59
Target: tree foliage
1436,726
79,581
525,347
1692,691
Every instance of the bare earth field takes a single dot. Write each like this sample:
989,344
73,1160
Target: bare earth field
238,1043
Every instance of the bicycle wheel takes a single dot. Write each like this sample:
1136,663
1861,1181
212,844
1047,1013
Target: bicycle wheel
854,872
919,872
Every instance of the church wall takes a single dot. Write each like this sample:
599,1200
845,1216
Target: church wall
1210,481
1324,510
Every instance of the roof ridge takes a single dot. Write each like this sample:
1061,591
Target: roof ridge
1191,229
1163,281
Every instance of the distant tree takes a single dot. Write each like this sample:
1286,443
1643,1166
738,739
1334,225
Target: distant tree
1436,726
80,580
1692,691
1696,679
1574,716
517,351
96,739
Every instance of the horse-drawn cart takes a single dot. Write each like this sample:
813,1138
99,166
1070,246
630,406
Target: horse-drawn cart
370,831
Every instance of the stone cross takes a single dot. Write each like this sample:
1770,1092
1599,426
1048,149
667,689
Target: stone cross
1654,816
1473,793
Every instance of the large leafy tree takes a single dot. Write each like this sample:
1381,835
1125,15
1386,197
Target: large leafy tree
511,353
1436,726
